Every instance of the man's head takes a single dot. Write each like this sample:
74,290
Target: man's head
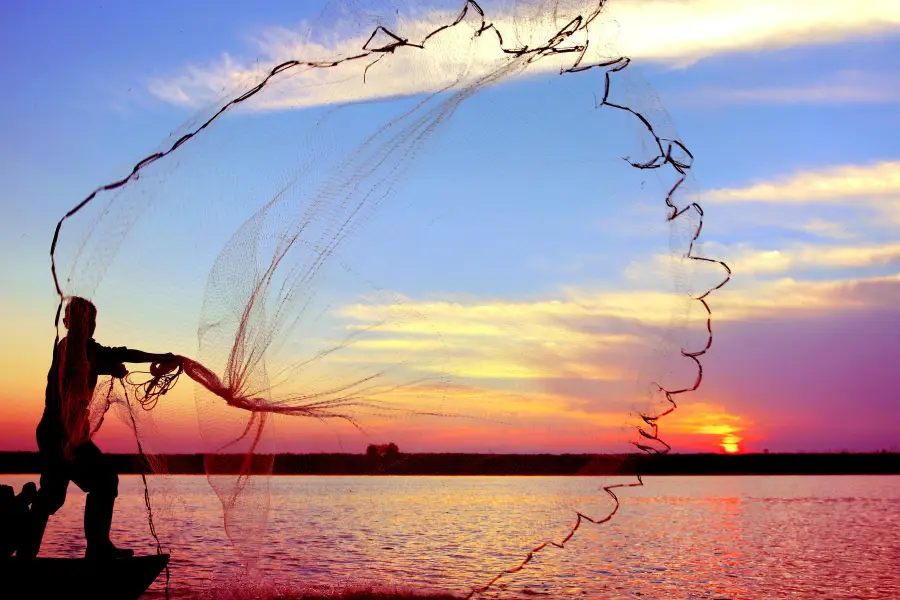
80,317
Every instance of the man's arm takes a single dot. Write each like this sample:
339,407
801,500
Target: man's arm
105,356
128,355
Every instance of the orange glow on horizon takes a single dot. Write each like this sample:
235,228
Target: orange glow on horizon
701,423
731,444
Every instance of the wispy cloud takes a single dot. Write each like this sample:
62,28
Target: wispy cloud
849,87
497,340
825,228
575,363
838,202
676,32
831,185
747,260
596,335
747,301
796,260
686,31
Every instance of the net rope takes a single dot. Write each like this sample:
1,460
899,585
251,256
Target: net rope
670,153
154,393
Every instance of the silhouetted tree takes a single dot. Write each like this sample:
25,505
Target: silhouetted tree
383,450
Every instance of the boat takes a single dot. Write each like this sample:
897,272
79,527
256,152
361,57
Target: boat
119,579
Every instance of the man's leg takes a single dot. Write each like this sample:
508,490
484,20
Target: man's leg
7,521
94,473
49,499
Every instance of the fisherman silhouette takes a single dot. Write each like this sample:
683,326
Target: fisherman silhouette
63,435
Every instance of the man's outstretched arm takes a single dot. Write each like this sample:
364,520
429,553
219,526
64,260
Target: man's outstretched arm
114,356
127,355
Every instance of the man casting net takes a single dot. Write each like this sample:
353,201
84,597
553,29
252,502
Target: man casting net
414,225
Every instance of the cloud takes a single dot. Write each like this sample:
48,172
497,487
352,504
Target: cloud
455,57
587,344
668,31
833,185
574,362
799,299
824,228
492,339
849,87
585,317
840,202
796,260
686,31
748,261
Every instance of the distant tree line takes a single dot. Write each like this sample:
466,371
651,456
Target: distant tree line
383,450
387,460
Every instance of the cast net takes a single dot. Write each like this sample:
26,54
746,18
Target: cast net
408,224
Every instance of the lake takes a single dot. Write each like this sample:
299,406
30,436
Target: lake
677,537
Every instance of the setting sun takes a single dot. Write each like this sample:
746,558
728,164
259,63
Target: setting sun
730,443
706,426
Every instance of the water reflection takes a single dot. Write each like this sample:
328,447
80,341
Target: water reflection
678,537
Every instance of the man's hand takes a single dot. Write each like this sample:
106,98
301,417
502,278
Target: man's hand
168,363
167,358
119,371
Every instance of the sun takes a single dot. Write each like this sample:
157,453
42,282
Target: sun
731,443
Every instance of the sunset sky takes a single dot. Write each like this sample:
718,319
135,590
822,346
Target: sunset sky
536,295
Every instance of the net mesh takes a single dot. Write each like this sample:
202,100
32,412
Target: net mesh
370,244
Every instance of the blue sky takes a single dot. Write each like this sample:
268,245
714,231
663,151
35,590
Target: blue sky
791,113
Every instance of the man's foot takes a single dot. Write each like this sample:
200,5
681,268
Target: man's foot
108,552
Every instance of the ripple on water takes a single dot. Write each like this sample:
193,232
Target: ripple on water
676,538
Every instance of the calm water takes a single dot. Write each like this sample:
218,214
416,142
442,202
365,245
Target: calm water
678,537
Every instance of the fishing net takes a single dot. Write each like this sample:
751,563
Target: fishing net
410,225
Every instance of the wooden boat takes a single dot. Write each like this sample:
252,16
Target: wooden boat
119,579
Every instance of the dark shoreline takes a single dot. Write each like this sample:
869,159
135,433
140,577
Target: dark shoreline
882,463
